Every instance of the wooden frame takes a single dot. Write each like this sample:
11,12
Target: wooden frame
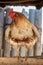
22,61
37,3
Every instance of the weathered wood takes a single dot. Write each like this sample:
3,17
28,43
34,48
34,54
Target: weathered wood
32,20
23,51
42,32
1,52
31,51
16,61
15,51
1,37
38,3
18,1
1,17
38,23
1,27
7,49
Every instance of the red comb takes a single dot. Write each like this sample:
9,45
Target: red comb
11,14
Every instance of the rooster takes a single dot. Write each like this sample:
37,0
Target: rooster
21,31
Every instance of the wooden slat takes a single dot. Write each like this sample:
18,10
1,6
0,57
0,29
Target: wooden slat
16,1
7,49
32,20
23,51
16,61
15,51
38,23
37,3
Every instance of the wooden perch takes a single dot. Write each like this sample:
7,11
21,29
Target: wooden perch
16,61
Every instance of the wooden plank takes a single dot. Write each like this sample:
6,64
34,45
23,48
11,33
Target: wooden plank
1,52
38,23
16,61
1,28
32,19
1,17
38,3
1,37
31,51
23,51
7,49
16,1
15,51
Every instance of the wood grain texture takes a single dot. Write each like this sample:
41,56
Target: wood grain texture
16,1
37,3
21,61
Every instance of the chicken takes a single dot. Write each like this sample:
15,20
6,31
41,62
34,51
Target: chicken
21,31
